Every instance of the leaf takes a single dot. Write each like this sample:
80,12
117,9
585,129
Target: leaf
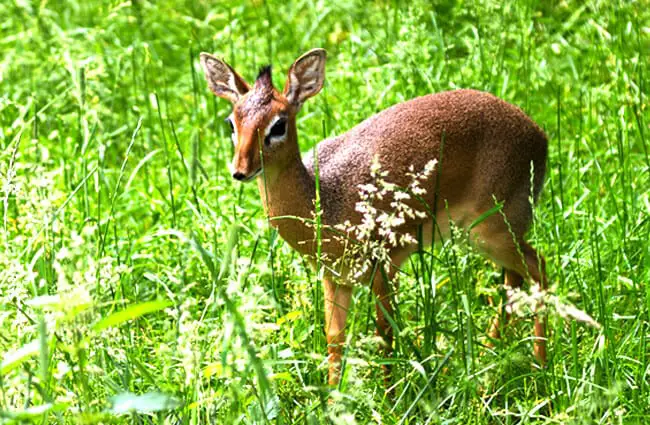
36,411
212,369
72,307
13,359
142,162
53,301
487,214
145,403
32,412
130,313
282,376
418,368
289,317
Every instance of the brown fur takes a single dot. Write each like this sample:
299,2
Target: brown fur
487,149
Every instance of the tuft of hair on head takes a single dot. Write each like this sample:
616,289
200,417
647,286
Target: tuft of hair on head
263,79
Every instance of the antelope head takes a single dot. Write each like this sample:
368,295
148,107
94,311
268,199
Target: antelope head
263,120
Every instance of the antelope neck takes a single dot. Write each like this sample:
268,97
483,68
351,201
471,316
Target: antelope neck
288,192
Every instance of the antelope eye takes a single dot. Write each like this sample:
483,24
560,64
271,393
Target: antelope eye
279,128
232,126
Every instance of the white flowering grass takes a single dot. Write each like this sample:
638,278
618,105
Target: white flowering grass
380,229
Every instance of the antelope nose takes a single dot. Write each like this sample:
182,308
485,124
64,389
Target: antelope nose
239,176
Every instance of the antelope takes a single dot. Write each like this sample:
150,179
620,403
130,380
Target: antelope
486,150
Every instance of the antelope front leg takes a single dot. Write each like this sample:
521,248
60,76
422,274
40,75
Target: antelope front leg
383,307
337,304
512,281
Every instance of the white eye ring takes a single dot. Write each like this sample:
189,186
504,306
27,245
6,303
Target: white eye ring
233,135
270,139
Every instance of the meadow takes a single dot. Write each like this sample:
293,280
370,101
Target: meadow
141,284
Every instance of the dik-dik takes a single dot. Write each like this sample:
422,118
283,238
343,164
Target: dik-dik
488,152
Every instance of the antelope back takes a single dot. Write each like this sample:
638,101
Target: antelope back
485,149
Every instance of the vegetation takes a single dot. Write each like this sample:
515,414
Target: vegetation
140,284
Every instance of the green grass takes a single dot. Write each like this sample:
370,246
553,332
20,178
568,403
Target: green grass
134,270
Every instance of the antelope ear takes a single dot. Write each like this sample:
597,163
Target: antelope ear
306,77
222,79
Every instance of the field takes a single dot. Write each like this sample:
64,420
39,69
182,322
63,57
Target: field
141,284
